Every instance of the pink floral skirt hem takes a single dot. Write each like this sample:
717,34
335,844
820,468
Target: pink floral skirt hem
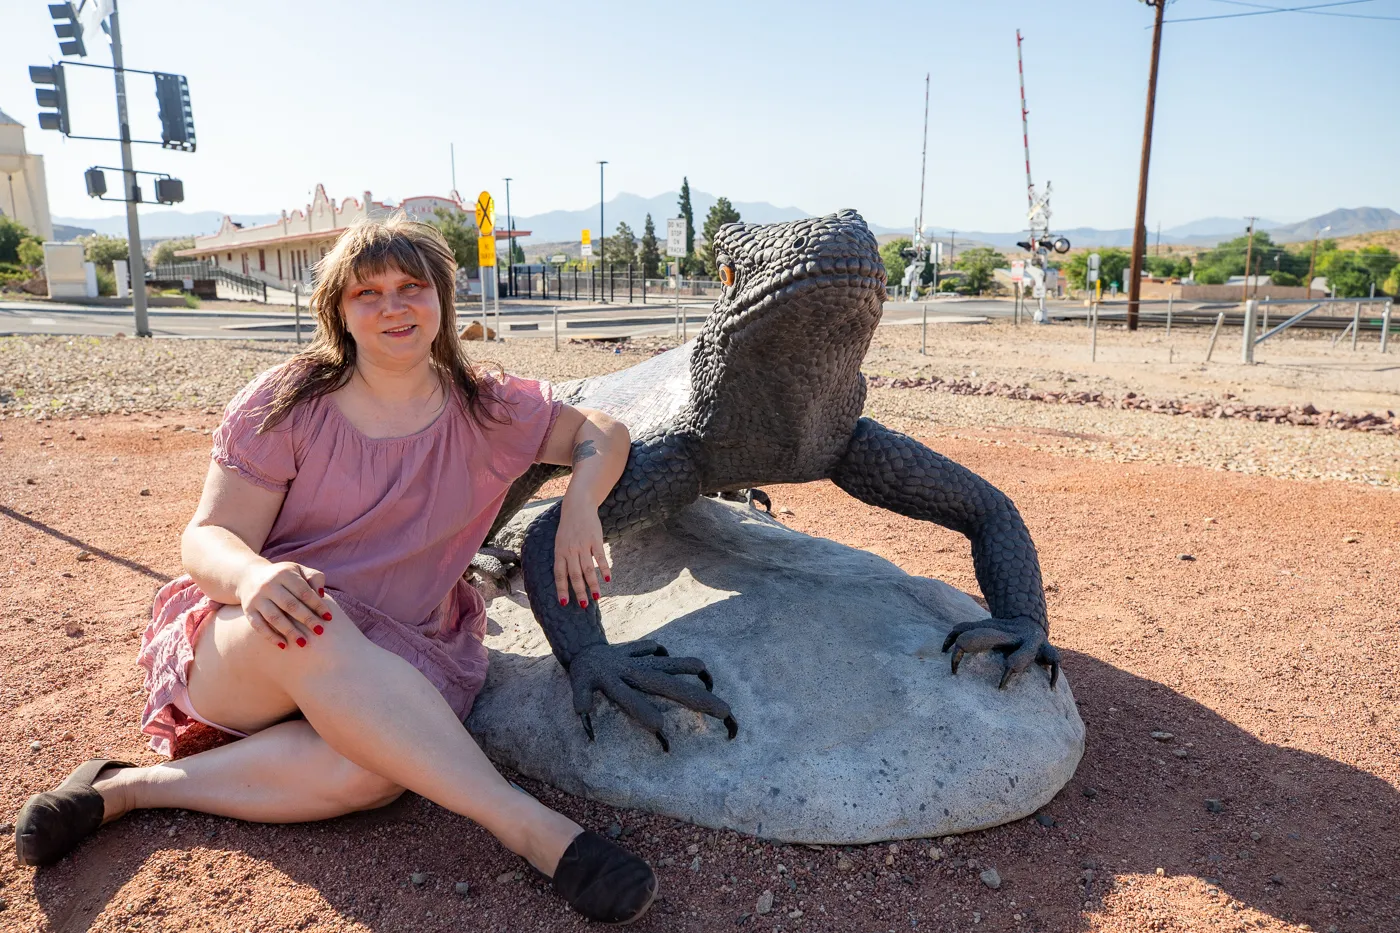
447,649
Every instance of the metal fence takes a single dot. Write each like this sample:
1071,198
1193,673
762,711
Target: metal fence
243,284
611,284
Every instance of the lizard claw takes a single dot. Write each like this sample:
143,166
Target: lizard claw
1021,642
665,745
588,726
732,725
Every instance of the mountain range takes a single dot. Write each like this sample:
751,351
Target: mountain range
563,226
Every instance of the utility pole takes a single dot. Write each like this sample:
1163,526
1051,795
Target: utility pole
602,233
133,226
1248,255
1140,223
1313,260
452,153
510,245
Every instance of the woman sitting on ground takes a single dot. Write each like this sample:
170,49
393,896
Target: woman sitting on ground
324,618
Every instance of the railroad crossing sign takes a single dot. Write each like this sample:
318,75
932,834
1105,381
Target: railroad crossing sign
486,251
486,215
675,237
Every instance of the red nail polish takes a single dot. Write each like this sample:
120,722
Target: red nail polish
607,579
326,616
583,604
319,630
563,600
321,591
281,644
595,596
301,642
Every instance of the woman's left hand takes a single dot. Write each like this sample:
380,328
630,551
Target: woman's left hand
578,553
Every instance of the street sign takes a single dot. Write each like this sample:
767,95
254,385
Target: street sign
587,244
1093,275
1018,270
486,250
486,215
559,258
675,237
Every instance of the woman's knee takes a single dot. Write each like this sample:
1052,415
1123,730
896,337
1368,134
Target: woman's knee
359,789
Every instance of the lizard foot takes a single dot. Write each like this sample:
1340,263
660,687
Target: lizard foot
495,564
626,673
1020,641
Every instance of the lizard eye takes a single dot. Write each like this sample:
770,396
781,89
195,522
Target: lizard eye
726,274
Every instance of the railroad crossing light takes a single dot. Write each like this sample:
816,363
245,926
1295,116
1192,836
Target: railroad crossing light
1061,245
170,190
1024,244
68,28
55,96
176,119
96,182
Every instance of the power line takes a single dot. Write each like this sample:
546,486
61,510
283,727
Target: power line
1295,9
1274,9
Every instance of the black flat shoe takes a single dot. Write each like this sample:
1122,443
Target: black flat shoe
603,881
52,824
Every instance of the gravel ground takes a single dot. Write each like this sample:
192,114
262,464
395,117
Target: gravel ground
58,377
1271,658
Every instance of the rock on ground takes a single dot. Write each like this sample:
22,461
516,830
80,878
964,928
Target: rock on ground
852,728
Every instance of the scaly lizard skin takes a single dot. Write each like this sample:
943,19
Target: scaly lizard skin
771,392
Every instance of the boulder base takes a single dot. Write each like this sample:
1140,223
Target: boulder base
851,727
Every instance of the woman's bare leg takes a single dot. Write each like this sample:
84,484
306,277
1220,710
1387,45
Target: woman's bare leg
374,709
263,778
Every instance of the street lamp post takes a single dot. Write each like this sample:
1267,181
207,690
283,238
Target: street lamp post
510,245
602,235
1313,259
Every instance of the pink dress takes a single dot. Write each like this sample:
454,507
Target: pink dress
392,522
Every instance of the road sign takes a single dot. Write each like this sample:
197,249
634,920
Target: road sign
1018,270
486,215
587,244
1093,275
559,258
675,237
486,250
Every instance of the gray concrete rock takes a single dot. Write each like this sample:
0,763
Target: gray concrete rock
852,728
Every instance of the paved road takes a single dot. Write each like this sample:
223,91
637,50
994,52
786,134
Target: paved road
518,319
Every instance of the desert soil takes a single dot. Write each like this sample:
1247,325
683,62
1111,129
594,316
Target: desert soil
1270,658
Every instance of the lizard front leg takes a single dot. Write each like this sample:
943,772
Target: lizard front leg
896,472
660,479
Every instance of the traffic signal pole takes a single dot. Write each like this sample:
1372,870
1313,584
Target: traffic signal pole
133,227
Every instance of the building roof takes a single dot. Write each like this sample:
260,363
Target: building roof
5,118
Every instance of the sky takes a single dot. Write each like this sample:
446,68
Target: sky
814,104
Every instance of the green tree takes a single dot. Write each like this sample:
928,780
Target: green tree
1378,261
895,264
649,255
689,214
621,249
460,233
1353,272
722,213
12,233
30,252
165,250
1112,263
978,265
1391,286
103,250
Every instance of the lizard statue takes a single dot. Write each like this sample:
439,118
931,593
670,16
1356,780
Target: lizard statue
769,392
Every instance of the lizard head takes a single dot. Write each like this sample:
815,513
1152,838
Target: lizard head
816,275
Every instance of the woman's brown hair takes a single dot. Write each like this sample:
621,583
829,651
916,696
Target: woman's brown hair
367,248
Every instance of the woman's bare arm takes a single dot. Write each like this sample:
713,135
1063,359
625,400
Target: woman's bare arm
596,446
219,549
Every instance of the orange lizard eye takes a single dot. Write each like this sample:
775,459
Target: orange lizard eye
726,275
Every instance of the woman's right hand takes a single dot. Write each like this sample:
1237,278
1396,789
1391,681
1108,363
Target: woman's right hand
284,601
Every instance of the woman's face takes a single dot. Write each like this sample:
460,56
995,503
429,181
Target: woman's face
393,318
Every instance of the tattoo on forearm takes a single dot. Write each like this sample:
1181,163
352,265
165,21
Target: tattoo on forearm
583,450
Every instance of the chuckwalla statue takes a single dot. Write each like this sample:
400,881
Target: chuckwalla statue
771,392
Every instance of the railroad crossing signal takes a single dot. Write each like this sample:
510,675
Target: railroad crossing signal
486,216
55,96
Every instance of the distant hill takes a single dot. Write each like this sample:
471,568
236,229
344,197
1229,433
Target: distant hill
63,232
158,224
1343,221
633,208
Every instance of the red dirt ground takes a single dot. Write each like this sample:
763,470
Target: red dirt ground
1271,658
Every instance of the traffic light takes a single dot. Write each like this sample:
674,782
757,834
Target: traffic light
68,27
176,119
170,190
55,96
96,182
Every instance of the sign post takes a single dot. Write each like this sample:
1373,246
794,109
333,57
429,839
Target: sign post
485,248
675,249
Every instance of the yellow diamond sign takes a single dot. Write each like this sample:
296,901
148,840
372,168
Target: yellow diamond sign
486,214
